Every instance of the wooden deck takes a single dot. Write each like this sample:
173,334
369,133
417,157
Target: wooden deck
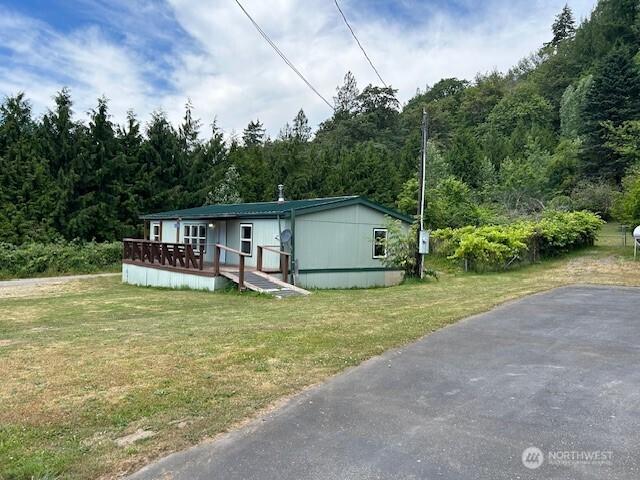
187,259
207,270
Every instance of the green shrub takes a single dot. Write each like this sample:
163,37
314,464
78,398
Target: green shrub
402,244
32,259
496,247
596,196
627,205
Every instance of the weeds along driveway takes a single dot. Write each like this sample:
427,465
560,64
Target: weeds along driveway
555,371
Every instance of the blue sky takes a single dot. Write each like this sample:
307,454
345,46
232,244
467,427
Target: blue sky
155,55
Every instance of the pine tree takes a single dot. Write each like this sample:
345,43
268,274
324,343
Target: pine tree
127,160
59,140
159,181
614,97
563,28
97,181
301,130
254,134
27,192
346,99
190,129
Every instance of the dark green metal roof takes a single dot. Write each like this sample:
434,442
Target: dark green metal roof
271,209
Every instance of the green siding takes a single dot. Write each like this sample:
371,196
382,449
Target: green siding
349,279
338,238
265,232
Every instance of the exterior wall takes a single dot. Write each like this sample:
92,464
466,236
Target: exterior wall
227,232
154,277
172,235
169,231
265,232
333,248
363,279
338,238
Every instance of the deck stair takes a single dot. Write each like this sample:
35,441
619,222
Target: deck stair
264,283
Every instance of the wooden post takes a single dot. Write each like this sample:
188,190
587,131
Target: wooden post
284,261
241,274
259,259
216,260
201,259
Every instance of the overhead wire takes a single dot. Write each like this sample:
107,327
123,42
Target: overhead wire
358,42
283,56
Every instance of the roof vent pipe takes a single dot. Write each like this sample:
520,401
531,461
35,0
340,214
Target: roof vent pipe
280,193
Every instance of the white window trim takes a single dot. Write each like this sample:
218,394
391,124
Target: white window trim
250,239
190,237
386,236
152,236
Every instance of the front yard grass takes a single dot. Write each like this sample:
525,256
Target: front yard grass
85,363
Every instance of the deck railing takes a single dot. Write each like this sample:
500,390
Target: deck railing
185,255
218,247
284,259
163,253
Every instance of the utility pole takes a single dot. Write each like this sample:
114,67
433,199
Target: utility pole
423,245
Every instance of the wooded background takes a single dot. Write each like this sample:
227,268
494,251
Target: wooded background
561,130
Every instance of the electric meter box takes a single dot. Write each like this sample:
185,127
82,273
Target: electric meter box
423,244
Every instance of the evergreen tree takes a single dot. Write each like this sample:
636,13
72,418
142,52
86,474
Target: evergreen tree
93,210
346,99
254,134
563,28
190,129
614,97
572,107
27,193
301,130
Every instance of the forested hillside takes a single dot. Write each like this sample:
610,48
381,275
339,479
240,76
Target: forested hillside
559,130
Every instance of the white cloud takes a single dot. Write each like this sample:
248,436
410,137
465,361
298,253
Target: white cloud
219,61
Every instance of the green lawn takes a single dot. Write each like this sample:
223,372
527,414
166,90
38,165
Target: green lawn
85,363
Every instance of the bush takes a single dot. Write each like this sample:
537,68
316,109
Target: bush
33,259
402,244
627,205
498,247
596,196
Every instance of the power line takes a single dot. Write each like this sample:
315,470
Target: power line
359,44
283,56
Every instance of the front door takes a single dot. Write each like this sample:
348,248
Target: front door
219,236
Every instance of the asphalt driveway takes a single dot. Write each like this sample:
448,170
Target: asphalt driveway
558,371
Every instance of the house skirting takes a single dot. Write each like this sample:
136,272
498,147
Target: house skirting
157,277
349,278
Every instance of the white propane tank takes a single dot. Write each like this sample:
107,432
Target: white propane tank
636,233
636,241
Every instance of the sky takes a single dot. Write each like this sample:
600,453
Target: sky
147,55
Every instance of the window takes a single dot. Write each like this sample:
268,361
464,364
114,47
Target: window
379,242
246,238
154,234
196,235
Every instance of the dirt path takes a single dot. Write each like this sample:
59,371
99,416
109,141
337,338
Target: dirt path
27,286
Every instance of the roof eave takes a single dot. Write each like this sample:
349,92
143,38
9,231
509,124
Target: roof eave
356,201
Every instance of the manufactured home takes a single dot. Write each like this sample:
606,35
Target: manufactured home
281,247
